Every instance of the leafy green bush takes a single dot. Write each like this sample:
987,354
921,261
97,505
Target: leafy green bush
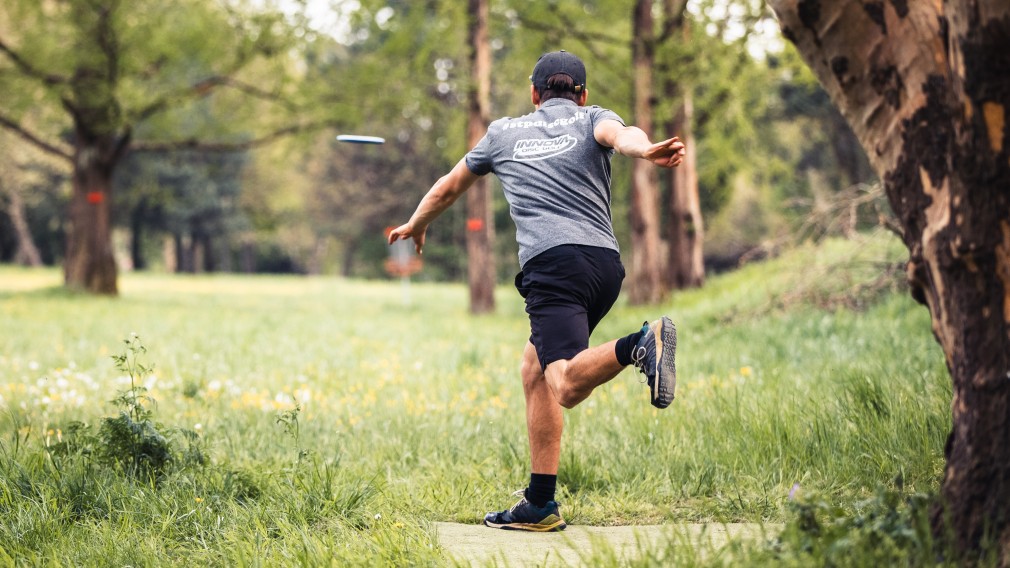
891,528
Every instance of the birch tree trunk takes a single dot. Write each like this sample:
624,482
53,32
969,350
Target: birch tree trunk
479,204
926,88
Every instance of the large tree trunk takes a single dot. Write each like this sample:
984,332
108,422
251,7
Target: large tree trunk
99,143
926,88
89,264
685,265
646,274
480,212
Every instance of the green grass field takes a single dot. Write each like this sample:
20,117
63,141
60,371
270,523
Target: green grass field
808,373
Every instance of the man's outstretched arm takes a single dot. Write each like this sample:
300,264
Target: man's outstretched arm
442,194
631,141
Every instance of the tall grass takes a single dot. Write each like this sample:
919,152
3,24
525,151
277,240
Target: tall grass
800,375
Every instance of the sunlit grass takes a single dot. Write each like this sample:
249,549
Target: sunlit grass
414,413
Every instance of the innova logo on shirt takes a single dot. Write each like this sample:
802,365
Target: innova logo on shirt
542,148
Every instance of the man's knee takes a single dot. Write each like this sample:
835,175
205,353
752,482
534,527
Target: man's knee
530,372
567,397
564,391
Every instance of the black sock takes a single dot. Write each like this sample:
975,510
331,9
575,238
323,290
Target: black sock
541,489
626,346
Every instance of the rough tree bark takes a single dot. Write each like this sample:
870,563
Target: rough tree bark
646,271
89,264
926,88
480,217
685,233
685,267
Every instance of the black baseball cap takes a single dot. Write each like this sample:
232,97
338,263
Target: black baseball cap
559,62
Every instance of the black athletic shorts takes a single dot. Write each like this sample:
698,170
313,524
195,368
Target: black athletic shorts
568,289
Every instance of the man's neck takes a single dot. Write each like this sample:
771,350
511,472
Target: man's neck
556,101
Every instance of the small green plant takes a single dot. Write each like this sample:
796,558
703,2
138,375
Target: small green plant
132,440
288,419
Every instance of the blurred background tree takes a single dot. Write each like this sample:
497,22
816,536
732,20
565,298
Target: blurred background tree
176,99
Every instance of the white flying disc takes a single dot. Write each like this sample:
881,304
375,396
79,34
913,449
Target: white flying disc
355,139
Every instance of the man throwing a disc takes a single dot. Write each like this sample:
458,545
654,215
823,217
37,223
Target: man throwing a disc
554,165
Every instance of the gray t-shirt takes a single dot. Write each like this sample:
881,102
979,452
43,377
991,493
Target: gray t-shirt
556,176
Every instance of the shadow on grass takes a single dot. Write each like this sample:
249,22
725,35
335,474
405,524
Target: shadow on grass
58,292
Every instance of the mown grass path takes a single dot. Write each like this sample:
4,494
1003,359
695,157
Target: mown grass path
477,545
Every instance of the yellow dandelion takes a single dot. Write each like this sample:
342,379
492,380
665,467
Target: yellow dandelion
746,371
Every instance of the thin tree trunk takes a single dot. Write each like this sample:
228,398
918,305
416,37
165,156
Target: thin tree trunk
169,254
137,237
318,256
347,263
248,256
646,274
183,260
848,153
924,87
685,233
196,252
209,254
27,253
479,204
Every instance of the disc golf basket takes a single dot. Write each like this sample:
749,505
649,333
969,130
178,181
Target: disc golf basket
403,263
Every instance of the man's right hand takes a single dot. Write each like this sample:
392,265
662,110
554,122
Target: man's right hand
408,231
631,141
666,154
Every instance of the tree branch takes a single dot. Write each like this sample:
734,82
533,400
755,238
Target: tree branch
37,141
49,79
258,93
673,19
194,144
107,41
588,38
204,88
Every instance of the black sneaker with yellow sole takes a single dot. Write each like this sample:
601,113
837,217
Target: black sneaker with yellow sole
655,355
525,516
